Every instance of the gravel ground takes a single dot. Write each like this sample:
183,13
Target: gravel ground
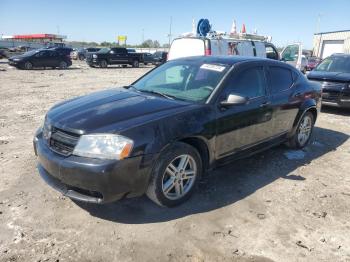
279,205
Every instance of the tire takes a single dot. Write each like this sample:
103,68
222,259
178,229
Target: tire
303,132
63,65
124,66
103,64
28,65
135,63
169,174
145,64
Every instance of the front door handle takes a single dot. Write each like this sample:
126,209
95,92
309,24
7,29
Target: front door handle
265,104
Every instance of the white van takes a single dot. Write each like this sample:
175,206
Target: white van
198,46
251,46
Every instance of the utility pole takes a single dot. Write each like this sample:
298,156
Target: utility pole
319,22
169,35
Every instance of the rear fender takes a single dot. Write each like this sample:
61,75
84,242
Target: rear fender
307,105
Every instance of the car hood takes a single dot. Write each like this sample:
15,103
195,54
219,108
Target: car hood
329,76
106,109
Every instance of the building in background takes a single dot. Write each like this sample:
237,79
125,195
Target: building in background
328,43
41,38
32,41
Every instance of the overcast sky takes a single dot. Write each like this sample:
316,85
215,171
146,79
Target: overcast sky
102,20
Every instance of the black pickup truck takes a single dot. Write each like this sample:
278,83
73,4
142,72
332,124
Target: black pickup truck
114,56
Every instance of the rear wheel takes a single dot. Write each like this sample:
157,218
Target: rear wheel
175,175
135,63
63,65
145,64
28,65
103,64
304,131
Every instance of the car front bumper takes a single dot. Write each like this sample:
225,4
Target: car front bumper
337,98
92,180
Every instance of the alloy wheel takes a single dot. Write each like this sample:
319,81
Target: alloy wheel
179,177
304,131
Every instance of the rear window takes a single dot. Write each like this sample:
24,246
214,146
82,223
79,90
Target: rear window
280,79
185,47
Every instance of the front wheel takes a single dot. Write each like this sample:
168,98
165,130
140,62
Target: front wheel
135,63
28,65
175,175
63,65
303,132
103,64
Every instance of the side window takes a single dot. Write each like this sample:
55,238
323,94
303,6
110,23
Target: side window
53,54
249,83
280,79
41,54
290,53
271,53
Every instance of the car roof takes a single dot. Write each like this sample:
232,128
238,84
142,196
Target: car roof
229,60
341,54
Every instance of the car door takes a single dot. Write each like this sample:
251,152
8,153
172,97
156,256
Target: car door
284,99
122,55
40,59
292,54
53,59
241,126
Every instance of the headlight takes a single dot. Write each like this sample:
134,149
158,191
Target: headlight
104,146
94,56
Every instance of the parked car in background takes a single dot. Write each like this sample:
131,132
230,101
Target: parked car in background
4,52
80,54
41,58
334,75
159,57
160,134
148,58
114,56
293,54
312,62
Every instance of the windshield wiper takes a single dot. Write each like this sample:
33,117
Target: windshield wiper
157,93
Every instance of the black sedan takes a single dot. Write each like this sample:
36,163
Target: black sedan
334,75
160,134
41,58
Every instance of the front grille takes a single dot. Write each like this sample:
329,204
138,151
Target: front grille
63,142
333,85
330,96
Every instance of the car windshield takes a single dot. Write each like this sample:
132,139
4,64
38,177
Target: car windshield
339,64
104,50
183,80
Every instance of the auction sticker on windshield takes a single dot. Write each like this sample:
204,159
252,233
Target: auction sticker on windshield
213,67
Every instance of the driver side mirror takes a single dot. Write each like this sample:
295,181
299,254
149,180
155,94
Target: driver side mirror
234,100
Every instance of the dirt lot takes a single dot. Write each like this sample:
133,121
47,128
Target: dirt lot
269,207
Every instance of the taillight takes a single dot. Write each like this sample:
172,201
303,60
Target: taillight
207,51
